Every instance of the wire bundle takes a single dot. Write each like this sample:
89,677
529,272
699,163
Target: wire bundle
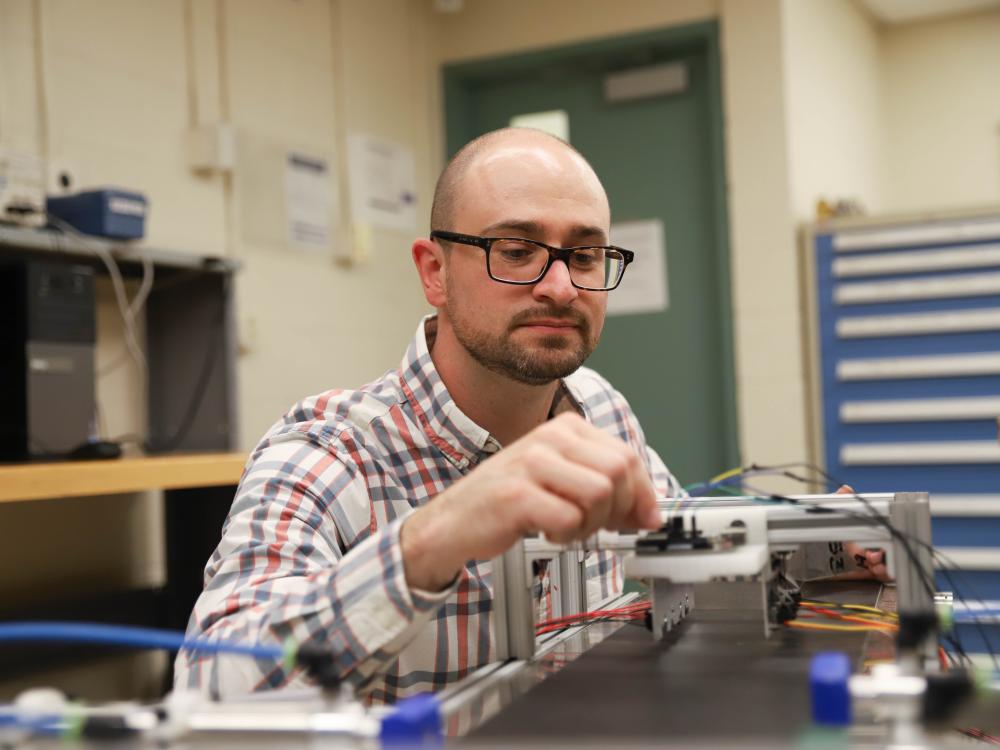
979,734
729,480
852,617
635,612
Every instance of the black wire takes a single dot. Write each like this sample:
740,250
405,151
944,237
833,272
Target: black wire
925,578
976,597
872,515
934,554
902,537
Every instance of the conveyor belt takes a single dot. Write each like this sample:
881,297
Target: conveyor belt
715,676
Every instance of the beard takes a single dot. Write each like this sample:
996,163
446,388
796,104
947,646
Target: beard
551,358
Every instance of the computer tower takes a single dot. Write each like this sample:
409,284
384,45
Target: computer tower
47,342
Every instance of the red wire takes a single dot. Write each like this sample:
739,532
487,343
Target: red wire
639,607
628,613
942,659
979,734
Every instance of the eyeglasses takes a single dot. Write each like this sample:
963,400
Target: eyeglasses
514,260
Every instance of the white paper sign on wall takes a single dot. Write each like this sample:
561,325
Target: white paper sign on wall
307,201
383,183
644,288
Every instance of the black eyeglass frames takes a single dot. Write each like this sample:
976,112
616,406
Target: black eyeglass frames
516,260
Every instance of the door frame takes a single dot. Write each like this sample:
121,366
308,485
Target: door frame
459,80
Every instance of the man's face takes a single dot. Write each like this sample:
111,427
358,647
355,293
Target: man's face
539,190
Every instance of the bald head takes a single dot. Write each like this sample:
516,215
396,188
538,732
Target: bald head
506,142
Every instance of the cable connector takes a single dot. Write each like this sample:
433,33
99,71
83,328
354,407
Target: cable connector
915,629
320,664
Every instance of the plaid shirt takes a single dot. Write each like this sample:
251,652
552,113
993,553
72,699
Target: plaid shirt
311,551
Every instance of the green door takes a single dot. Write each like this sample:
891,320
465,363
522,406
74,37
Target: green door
659,156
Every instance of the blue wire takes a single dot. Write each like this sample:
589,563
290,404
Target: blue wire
124,635
50,724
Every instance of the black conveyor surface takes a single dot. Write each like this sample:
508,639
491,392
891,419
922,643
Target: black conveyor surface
714,676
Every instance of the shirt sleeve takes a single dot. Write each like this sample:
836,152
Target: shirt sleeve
303,556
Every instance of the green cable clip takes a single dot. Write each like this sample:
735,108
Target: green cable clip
982,680
291,654
945,614
76,719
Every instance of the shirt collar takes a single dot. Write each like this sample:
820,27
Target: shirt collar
446,426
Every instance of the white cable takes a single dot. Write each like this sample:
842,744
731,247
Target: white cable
134,309
127,309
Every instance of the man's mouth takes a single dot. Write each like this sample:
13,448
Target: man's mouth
550,325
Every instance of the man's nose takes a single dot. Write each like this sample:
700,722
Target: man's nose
556,286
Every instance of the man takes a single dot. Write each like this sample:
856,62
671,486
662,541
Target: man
366,519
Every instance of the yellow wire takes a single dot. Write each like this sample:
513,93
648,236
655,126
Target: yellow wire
876,621
725,475
858,607
873,610
842,628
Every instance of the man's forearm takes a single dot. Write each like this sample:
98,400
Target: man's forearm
428,548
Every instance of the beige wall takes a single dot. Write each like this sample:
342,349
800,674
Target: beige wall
834,107
119,85
110,89
762,248
942,101
306,324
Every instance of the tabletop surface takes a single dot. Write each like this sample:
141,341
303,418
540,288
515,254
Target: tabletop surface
714,676
42,481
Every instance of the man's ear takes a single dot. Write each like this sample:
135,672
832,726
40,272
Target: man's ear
428,256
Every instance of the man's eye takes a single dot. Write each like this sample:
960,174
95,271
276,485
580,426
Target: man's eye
517,253
586,258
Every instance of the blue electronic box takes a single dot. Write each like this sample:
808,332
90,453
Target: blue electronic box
108,212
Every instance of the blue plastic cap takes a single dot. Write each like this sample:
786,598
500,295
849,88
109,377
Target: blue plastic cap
831,697
415,722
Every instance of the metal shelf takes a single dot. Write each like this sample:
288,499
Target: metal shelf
127,253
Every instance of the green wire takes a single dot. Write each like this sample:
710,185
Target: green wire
75,721
291,653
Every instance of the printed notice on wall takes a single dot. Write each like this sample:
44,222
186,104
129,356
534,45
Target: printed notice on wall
644,287
307,201
383,183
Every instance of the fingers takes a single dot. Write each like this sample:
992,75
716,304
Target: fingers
875,561
871,562
591,491
874,557
550,514
629,500
622,464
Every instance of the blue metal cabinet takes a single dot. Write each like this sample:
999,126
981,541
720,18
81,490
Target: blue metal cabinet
905,361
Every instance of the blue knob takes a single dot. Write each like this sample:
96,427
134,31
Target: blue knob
831,697
415,722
